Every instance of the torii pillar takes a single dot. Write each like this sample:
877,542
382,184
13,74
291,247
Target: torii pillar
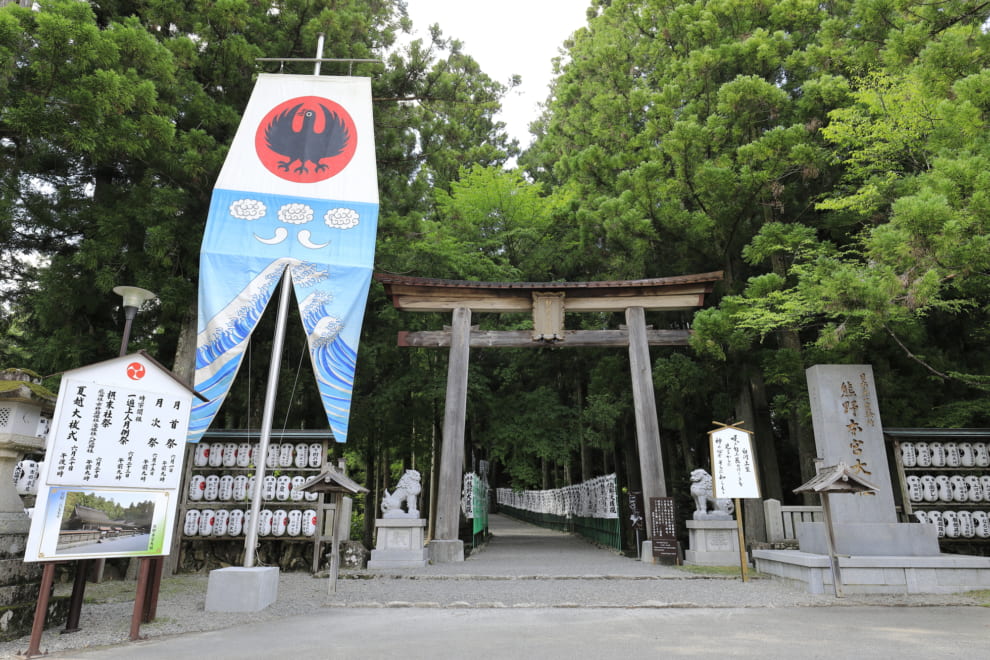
547,302
446,547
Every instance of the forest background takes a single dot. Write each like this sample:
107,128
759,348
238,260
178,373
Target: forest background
831,157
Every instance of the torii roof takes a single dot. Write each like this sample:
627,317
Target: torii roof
423,294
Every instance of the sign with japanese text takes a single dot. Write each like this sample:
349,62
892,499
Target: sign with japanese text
116,436
113,463
663,529
733,465
846,419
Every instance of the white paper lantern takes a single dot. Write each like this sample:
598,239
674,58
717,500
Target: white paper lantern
226,488
202,456
206,522
216,454
294,527
315,455
235,523
244,451
309,522
280,519
302,455
197,484
297,494
190,526
220,518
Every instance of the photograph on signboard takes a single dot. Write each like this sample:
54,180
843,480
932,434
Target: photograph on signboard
81,523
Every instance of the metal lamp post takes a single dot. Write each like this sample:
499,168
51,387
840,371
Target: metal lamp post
133,297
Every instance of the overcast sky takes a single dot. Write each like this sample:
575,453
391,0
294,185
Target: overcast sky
507,37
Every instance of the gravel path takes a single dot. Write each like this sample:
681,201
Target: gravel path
521,567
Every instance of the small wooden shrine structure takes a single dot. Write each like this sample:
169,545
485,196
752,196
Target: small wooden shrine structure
547,302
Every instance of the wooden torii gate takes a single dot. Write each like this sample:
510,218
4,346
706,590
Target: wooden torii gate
547,302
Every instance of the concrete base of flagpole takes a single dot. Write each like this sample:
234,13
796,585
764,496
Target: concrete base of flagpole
239,589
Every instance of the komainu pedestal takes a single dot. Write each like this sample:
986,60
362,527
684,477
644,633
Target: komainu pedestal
712,543
399,544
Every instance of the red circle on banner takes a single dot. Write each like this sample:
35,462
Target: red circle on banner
135,371
306,139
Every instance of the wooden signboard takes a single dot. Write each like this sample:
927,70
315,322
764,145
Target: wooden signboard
734,474
733,465
114,462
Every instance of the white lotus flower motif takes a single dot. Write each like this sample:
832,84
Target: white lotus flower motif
342,218
248,209
295,214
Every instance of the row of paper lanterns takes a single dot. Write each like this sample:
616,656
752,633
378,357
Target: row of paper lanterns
957,524
945,454
228,488
594,498
943,488
232,454
234,522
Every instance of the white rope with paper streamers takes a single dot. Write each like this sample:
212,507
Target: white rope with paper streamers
595,498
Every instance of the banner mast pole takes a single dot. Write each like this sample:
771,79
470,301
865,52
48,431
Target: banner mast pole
251,533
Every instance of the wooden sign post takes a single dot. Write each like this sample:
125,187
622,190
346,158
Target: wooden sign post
734,474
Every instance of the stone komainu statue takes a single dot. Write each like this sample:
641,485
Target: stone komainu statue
707,506
405,492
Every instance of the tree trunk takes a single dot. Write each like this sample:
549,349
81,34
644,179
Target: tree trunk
184,366
800,433
585,450
371,497
432,506
766,446
687,451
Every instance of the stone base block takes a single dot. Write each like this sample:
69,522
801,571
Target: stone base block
446,552
712,543
399,544
239,589
16,522
941,574
880,539
17,620
646,552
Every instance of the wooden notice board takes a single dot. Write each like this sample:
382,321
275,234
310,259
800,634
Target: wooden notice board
663,529
733,464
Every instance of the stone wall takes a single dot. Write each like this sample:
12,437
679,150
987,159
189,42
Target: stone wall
19,582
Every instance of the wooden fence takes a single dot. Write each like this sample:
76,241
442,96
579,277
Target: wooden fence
782,520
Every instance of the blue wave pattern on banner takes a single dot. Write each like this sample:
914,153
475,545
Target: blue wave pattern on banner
331,297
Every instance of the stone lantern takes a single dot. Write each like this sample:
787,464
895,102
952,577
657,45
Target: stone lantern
25,416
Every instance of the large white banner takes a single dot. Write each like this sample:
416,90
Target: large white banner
298,194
